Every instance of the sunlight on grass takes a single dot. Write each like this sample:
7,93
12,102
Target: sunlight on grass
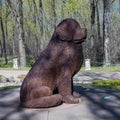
20,69
109,68
9,87
109,84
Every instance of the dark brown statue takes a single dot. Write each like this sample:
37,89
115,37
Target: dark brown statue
49,82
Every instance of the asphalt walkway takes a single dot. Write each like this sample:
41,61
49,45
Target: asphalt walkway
82,76
97,104
89,76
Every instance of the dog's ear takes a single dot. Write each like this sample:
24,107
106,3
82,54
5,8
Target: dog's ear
63,32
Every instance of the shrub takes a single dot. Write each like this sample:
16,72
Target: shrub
30,61
3,65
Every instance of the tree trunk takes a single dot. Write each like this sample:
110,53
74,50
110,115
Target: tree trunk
38,13
41,16
92,12
41,25
62,9
3,36
92,33
19,24
54,13
119,27
99,56
1,49
21,36
13,40
106,29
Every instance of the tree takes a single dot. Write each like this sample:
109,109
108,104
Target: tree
54,13
3,35
92,12
18,17
106,31
99,48
33,22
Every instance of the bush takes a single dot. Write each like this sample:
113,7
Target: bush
30,61
3,65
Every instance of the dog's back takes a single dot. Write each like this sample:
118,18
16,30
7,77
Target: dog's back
55,67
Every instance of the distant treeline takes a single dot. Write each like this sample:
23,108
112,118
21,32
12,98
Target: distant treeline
26,27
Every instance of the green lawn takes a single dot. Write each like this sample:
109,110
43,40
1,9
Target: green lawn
10,68
109,68
110,84
9,87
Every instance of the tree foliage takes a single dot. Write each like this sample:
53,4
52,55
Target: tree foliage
41,16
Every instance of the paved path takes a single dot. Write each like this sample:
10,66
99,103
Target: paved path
13,73
79,77
97,104
89,76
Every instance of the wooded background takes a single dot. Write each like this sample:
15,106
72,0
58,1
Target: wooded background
26,27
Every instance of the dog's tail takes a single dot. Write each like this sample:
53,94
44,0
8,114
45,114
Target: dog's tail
43,102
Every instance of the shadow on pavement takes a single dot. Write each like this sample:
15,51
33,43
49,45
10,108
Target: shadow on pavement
104,104
9,106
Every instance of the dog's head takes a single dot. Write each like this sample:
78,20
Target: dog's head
70,30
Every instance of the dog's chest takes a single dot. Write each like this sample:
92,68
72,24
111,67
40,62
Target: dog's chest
73,54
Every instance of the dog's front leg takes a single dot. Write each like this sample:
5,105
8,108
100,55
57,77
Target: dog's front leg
65,89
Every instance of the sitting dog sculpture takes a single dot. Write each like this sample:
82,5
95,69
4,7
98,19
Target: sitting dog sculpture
54,69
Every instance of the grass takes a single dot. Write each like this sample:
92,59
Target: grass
109,68
109,84
93,69
8,87
3,65
11,68
9,65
